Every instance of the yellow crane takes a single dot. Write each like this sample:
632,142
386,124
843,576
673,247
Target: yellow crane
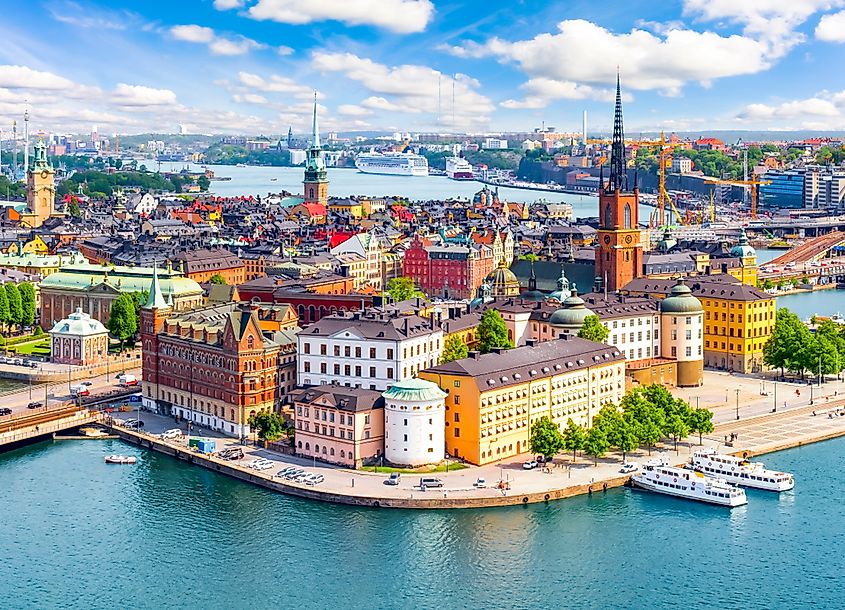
754,183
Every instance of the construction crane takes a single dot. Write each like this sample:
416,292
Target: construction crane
754,183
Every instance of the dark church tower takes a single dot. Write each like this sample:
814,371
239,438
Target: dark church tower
619,254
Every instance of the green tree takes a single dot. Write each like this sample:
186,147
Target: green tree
269,426
13,295
123,322
203,182
545,438
676,428
593,330
596,443
73,209
700,420
27,292
5,316
492,332
573,437
402,289
218,279
454,348
786,348
531,257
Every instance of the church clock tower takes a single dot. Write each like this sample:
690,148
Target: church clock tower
619,254
316,183
40,190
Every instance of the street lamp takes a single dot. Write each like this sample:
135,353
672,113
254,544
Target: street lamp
775,405
737,403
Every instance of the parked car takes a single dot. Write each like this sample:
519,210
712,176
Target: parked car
530,465
263,465
393,479
87,383
628,467
292,474
481,483
314,479
35,405
173,433
427,482
5,411
134,424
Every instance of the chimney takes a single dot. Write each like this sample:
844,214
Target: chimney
499,350
565,336
475,355
531,342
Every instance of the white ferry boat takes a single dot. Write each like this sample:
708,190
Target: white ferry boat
739,471
392,164
657,476
458,168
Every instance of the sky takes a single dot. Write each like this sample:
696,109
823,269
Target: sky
254,66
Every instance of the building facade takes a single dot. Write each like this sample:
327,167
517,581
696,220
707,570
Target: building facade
414,423
316,182
40,190
449,271
79,340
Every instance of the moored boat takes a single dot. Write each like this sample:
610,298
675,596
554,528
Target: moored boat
657,476
121,459
740,471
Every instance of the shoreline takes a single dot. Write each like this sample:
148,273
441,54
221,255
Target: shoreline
440,499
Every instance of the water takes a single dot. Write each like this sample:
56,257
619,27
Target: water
764,255
806,304
77,533
9,385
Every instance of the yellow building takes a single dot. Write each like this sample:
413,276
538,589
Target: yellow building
493,399
746,271
738,319
348,206
36,245
40,190
40,264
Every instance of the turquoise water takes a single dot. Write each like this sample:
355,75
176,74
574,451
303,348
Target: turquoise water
822,302
76,533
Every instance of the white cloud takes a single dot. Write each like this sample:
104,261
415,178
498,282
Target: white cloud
250,98
825,110
225,5
192,33
217,45
22,77
88,17
353,110
665,62
138,95
276,84
540,91
401,16
284,51
411,88
831,28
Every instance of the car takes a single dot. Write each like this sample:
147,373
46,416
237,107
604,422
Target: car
314,479
284,471
265,465
393,479
530,465
34,405
87,383
5,411
253,463
136,424
33,364
481,483
427,482
628,467
292,474
173,433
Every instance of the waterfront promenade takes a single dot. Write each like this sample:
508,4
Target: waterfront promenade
756,435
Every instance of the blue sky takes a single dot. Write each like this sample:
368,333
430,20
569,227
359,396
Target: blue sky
251,66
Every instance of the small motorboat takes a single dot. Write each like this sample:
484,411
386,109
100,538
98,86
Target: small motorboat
121,459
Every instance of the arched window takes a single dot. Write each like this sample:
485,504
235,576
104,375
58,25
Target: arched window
300,444
307,446
627,215
608,216
250,342
342,453
311,193
331,451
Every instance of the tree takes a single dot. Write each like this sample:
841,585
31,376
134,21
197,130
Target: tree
15,306
123,322
677,428
573,437
73,209
218,279
4,308
595,443
203,182
530,257
27,293
545,438
593,330
701,421
454,348
402,289
492,332
270,426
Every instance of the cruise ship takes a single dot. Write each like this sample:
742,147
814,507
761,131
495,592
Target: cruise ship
392,164
739,471
458,168
657,476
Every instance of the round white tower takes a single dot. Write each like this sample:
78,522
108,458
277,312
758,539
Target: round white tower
414,423
681,327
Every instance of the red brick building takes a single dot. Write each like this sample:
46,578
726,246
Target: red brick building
453,271
309,306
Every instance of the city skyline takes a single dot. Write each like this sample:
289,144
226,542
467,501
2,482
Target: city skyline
251,66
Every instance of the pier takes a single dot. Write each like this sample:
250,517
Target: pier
26,428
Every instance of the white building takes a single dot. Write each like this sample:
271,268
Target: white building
681,165
414,423
367,246
297,157
495,144
79,339
372,349
141,204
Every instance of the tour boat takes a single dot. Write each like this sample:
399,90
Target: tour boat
458,168
740,471
392,164
120,459
659,477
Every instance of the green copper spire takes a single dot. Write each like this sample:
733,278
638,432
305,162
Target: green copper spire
155,299
315,130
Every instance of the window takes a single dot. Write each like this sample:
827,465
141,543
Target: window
337,369
372,352
366,420
627,214
457,383
674,352
337,350
456,432
390,355
347,351
357,352
608,216
405,422
372,371
322,349
306,347
366,434
689,350
323,368
390,372
457,418
307,367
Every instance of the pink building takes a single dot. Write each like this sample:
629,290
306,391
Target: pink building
79,339
339,424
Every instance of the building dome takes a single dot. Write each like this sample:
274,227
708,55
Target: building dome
681,300
572,312
503,282
79,324
414,390
668,242
743,249
414,423
562,291
532,294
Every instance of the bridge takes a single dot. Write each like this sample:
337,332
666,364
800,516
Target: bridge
811,250
27,427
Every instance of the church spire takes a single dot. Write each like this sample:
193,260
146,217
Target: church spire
155,300
618,176
315,130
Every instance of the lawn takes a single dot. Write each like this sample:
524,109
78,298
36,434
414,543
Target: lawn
423,470
40,347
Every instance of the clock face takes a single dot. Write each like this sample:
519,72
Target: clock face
44,174
628,239
607,239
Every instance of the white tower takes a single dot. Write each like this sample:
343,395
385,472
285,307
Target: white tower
584,129
414,423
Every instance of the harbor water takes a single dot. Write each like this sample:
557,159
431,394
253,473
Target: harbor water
79,534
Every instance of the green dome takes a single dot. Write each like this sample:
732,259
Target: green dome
668,242
571,314
743,248
414,390
681,300
532,295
